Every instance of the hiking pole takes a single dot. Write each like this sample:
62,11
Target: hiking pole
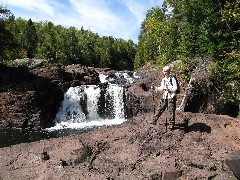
166,121
153,88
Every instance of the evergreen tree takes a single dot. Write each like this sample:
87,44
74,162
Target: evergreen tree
31,39
6,37
67,45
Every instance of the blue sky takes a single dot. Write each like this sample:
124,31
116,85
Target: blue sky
117,18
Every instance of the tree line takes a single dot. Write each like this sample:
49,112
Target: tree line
178,31
57,44
195,29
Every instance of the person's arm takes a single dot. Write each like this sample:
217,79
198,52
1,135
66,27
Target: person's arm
161,87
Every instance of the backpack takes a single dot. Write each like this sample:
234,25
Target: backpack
178,87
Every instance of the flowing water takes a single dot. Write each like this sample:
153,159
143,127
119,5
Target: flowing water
84,108
81,107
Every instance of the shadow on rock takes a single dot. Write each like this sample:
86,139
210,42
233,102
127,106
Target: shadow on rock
182,126
201,127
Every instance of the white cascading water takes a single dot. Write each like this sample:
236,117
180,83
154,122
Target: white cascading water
71,110
116,92
93,94
73,115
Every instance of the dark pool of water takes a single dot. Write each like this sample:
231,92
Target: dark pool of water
14,136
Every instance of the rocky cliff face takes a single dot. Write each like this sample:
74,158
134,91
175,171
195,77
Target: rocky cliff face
30,97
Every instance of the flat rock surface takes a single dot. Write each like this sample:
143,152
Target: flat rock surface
203,146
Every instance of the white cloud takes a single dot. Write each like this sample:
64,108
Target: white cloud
137,9
95,14
37,5
117,18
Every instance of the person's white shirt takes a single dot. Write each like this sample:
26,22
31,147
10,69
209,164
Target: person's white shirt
168,86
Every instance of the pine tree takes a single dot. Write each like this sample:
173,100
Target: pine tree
31,39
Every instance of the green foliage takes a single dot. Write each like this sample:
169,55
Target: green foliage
228,69
47,40
18,29
31,39
231,12
151,44
227,73
184,30
6,37
4,13
61,45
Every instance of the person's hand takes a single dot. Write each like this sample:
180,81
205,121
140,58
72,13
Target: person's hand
152,86
168,89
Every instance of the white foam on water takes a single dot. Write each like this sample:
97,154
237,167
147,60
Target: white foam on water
71,113
125,77
71,110
103,78
93,94
89,124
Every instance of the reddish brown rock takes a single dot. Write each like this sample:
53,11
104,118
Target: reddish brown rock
201,147
32,96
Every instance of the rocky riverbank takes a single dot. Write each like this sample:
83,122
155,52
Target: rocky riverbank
201,147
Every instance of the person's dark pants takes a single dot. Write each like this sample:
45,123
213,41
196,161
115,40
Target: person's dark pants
170,105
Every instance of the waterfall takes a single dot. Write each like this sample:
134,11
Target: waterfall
79,104
116,92
92,95
91,105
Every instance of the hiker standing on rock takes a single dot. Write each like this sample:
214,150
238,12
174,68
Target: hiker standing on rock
168,101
